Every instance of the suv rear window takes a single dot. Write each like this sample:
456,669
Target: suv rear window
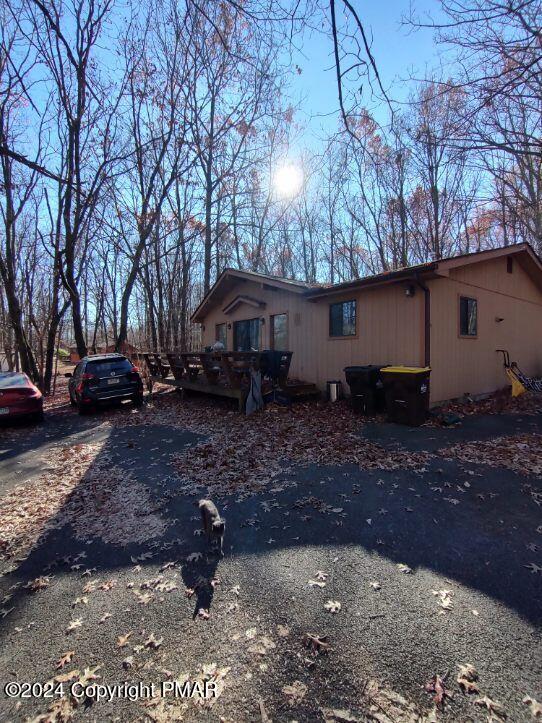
102,368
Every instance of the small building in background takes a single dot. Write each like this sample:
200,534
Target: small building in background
125,348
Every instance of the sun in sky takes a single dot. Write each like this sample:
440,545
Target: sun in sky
288,180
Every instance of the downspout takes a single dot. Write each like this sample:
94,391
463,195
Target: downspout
427,320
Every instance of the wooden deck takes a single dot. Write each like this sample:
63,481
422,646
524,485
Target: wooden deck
219,390
227,374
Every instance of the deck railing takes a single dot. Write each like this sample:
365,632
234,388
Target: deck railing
229,368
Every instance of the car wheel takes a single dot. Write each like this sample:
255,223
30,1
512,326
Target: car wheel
84,409
38,417
72,400
138,401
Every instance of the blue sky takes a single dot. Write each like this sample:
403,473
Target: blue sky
401,54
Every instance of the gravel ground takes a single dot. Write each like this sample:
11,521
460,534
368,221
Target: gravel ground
467,529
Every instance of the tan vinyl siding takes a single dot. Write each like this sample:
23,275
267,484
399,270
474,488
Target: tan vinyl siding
389,329
471,365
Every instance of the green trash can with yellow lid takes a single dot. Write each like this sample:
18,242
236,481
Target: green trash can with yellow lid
407,394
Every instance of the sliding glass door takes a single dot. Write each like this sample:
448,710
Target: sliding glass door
246,335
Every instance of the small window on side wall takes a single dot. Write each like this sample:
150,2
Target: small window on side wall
468,316
279,332
342,318
221,334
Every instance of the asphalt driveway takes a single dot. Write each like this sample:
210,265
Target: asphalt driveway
432,570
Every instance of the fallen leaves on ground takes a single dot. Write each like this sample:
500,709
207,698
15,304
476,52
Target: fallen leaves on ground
333,606
122,640
65,659
521,453
240,453
83,488
501,402
437,687
445,599
467,677
295,692
388,706
316,643
534,706
494,708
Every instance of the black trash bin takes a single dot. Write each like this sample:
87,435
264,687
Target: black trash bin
407,394
366,388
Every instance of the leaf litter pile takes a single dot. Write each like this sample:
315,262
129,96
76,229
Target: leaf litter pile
501,402
245,454
520,453
80,487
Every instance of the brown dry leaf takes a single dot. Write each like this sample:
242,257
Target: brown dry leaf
467,677
445,599
295,692
494,708
262,646
66,677
65,659
122,640
404,568
74,624
317,583
534,705
153,642
283,631
316,643
437,686
39,583
333,606
521,453
89,674
322,434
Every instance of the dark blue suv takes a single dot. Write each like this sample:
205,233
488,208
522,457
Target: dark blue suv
104,379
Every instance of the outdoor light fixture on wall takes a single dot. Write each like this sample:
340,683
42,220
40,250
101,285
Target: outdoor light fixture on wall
262,320
229,326
410,290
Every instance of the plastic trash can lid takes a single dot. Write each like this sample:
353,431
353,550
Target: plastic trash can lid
405,370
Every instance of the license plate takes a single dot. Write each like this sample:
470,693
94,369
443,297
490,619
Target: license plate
4,410
113,381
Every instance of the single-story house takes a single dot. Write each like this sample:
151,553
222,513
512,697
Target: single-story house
451,314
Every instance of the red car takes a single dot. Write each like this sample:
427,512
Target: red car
19,397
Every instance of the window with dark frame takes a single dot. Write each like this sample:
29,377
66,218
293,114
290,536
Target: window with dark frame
279,332
468,316
221,334
342,318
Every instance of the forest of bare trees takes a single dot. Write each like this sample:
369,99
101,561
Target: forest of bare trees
138,143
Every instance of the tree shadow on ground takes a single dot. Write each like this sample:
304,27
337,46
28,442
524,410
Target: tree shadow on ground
404,516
